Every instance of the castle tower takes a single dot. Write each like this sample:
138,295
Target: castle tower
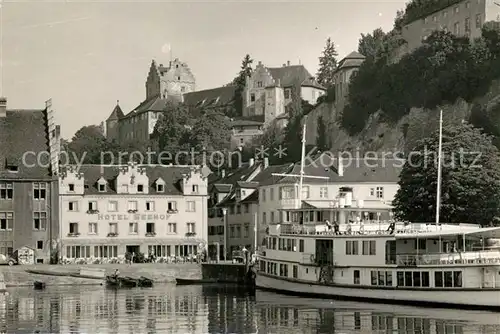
112,123
175,79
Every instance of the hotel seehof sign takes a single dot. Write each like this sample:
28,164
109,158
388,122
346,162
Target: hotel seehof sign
133,216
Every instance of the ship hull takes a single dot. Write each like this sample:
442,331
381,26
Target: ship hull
457,298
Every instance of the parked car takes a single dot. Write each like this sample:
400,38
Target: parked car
4,259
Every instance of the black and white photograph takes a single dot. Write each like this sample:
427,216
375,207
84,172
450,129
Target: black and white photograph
250,166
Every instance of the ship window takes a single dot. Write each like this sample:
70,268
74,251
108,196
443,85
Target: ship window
263,266
448,279
301,245
416,278
421,244
388,278
356,277
295,271
438,279
381,278
408,278
425,279
401,278
351,247
457,279
374,277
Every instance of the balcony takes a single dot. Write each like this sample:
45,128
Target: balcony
464,258
132,211
112,234
73,234
173,211
190,234
150,234
91,212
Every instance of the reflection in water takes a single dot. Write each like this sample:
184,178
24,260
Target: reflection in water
209,309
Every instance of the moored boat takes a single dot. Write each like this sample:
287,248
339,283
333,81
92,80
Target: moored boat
193,281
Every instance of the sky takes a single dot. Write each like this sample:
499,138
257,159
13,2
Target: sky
86,55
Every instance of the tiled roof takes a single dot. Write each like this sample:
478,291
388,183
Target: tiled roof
353,59
252,198
248,184
289,75
311,82
362,170
117,113
223,188
154,103
214,97
171,175
24,131
266,177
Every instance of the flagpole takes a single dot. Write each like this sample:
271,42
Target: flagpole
438,191
255,228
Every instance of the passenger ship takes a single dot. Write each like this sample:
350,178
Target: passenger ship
410,263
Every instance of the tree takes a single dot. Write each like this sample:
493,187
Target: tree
211,132
172,128
327,64
470,179
293,129
372,45
321,136
86,145
240,83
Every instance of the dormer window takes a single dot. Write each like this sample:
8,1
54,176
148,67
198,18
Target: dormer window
12,169
71,187
160,188
140,188
195,188
101,185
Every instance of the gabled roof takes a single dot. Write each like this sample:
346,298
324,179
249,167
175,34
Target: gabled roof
21,131
289,75
248,121
252,198
215,97
353,59
311,82
172,175
248,184
354,171
154,103
117,113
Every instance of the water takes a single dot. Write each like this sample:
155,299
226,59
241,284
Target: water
203,309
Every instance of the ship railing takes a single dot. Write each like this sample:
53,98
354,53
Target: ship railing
465,258
355,229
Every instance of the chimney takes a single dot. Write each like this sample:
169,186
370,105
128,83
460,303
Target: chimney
223,173
251,162
287,63
266,163
340,169
284,65
161,65
260,63
3,107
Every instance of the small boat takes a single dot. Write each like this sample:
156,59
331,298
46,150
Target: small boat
39,285
194,281
145,282
122,282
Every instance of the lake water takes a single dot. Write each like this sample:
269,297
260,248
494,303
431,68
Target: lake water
203,309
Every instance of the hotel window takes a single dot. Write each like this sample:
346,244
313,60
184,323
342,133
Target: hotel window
150,206
252,97
238,231
247,230
323,192
92,206
150,228
467,4
356,277
478,21
191,227
160,188
259,84
456,28
172,206
263,193
247,207
6,190
73,228
113,228
140,188
172,228
305,192
301,245
132,205
232,229
380,192
125,188
457,9
264,218
133,228
92,228
272,217
39,221
102,187
6,221
73,206
190,206
39,190
238,209
112,206
71,187
195,188
287,192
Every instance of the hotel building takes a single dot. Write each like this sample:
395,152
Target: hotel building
107,211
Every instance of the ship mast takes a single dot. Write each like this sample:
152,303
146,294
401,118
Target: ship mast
302,162
438,191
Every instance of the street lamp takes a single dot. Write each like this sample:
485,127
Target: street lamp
224,217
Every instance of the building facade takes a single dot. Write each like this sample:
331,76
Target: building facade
462,18
349,191
107,211
29,155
